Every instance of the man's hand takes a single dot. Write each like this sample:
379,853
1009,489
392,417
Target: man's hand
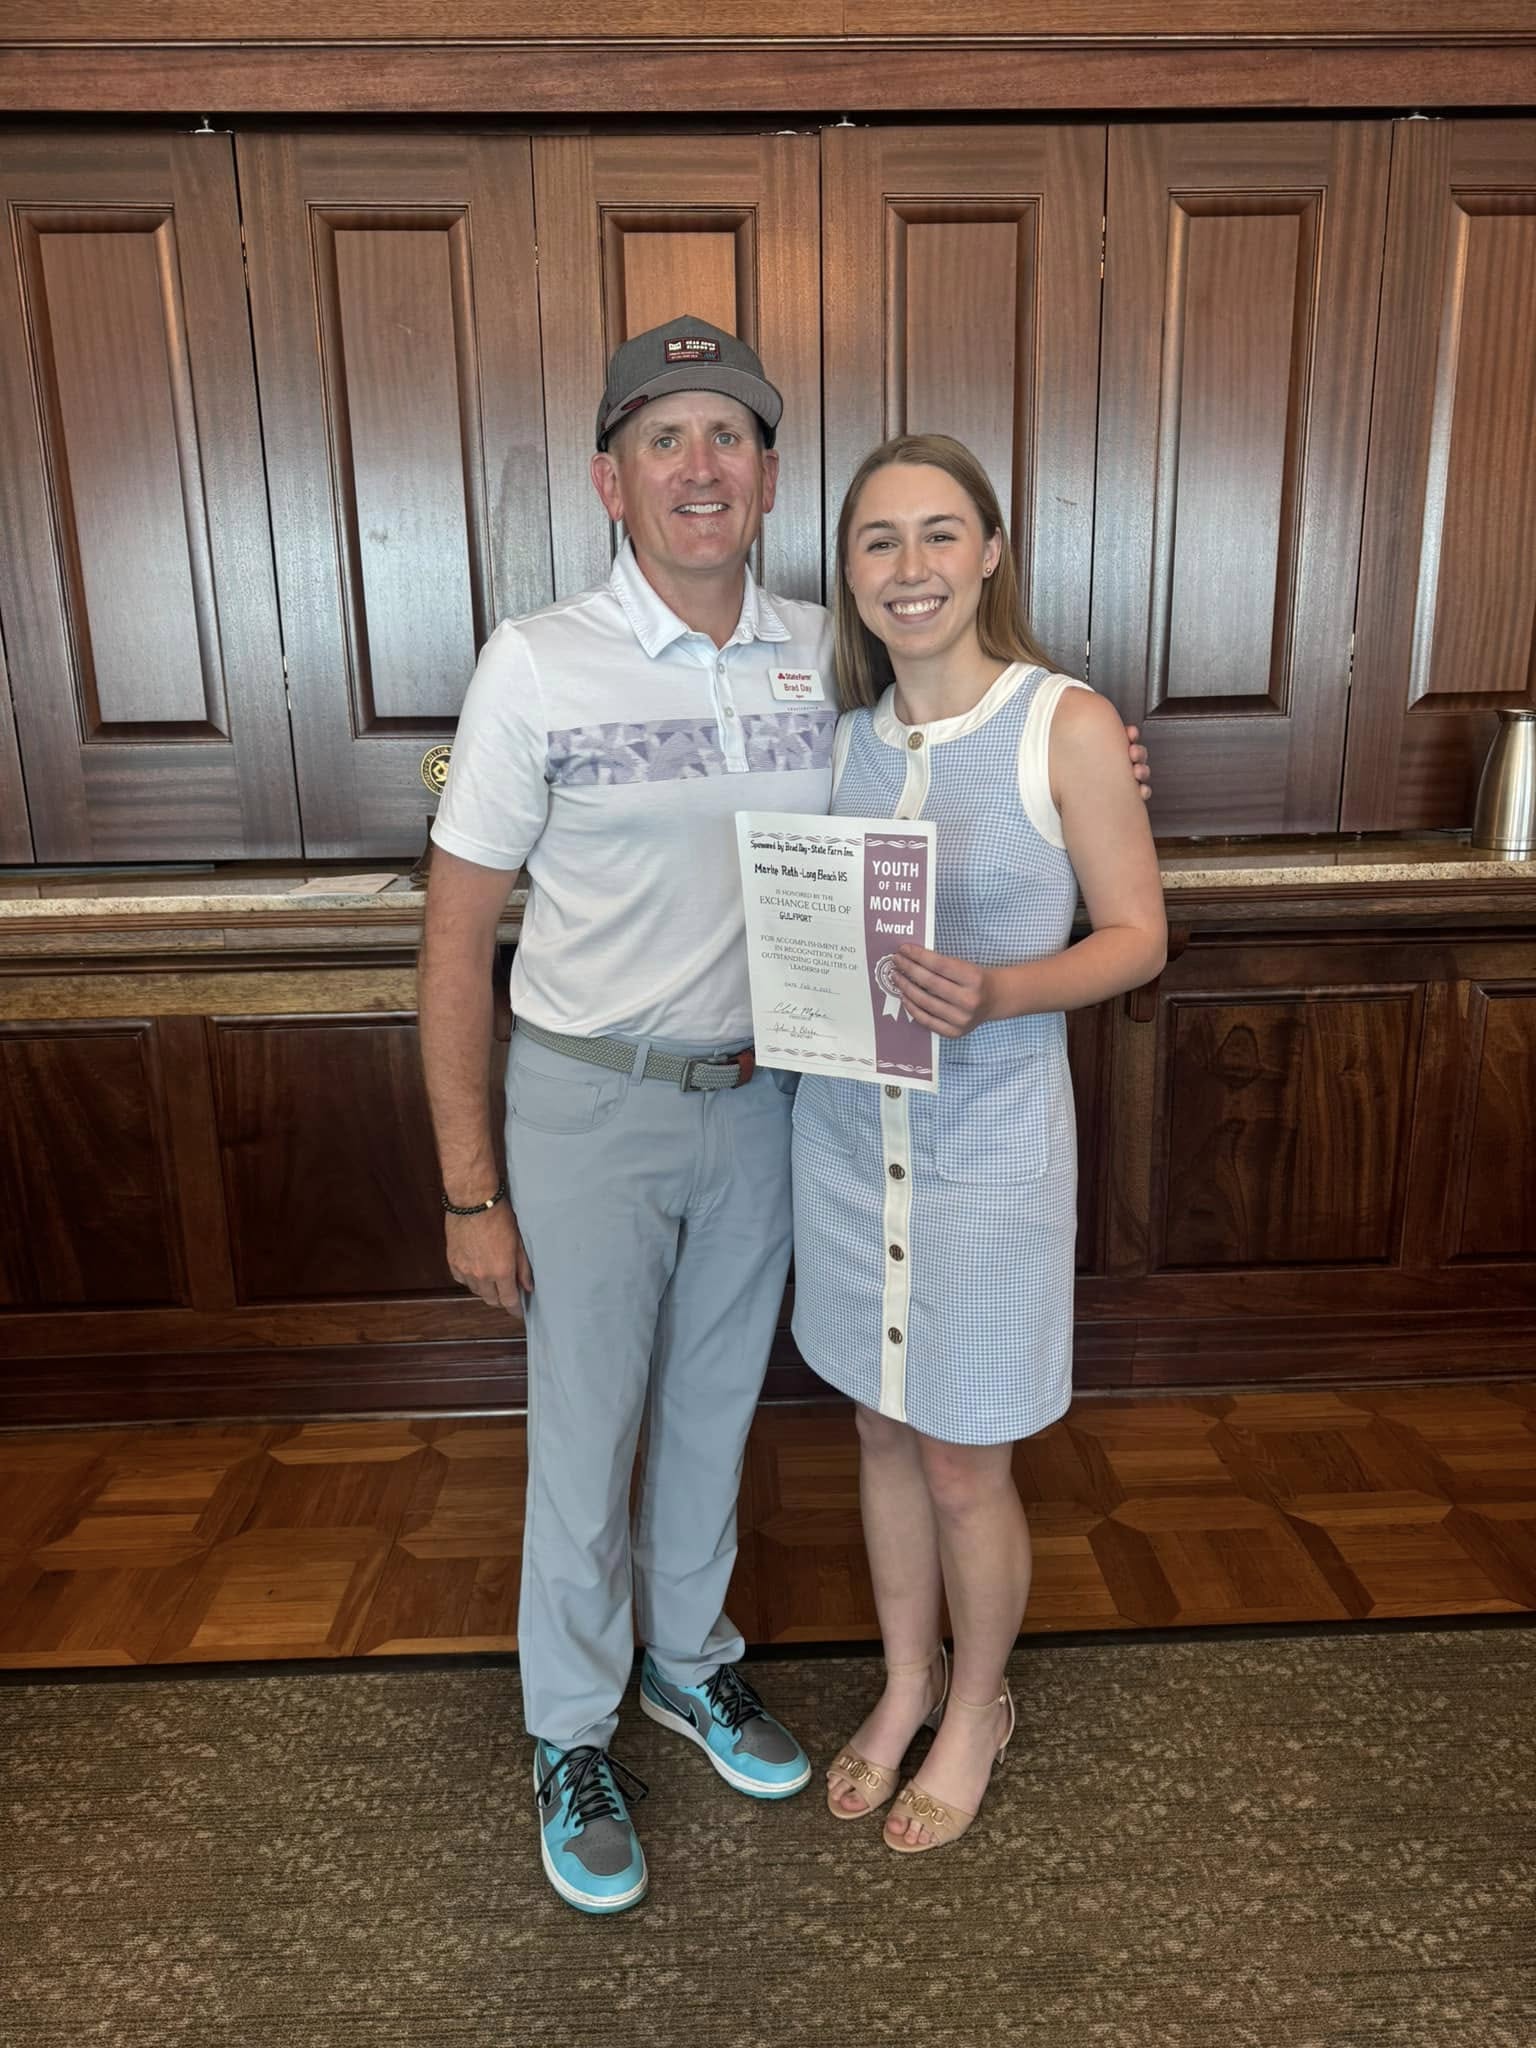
1139,766
486,1255
948,996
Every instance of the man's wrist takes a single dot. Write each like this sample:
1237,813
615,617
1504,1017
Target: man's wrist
477,1203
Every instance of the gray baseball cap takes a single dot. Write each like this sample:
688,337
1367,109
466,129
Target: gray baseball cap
685,354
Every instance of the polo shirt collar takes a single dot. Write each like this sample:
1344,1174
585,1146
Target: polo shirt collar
657,627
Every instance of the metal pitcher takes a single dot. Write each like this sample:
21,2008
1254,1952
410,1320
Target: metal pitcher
1505,818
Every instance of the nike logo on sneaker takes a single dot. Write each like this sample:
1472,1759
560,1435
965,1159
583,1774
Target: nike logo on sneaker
679,1702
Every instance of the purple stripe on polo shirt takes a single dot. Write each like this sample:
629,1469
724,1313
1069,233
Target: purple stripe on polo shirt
680,749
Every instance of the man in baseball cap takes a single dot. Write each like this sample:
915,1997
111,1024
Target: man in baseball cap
685,355
643,1216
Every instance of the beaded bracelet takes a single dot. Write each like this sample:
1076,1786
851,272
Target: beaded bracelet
478,1208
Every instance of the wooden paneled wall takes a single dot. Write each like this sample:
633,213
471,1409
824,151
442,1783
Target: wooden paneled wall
262,520
1310,1163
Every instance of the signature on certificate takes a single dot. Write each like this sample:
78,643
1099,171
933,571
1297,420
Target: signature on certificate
797,1034
801,1010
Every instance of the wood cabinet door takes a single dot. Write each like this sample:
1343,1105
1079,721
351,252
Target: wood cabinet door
136,576
1319,1164
394,302
1242,265
330,1172
90,1213
15,833
961,296
634,230
1446,631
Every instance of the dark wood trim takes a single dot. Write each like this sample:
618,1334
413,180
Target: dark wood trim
15,832
209,21
792,77
491,1376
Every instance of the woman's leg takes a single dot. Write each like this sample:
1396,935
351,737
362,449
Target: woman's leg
901,1537
984,1548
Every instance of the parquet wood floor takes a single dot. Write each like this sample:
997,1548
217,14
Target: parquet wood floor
208,1543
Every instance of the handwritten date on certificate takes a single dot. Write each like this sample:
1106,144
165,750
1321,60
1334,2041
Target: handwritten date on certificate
827,902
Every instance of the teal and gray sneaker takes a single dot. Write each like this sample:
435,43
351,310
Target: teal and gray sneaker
728,1721
590,1851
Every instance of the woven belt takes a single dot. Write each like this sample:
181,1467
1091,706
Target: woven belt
613,1053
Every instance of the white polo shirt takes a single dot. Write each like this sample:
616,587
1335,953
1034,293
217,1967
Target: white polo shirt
605,745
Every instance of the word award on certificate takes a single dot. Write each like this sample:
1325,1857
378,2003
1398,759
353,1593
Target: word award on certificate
828,902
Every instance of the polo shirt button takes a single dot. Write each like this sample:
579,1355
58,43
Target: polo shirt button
915,741
893,1091
898,1173
729,712
897,1253
894,1335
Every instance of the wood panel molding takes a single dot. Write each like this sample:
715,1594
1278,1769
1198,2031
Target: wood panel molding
993,234
87,1170
653,226
263,1373
208,21
395,315
1447,588
1241,276
817,79
15,831
141,618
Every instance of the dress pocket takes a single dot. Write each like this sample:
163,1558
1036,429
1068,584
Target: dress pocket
822,1116
1000,1122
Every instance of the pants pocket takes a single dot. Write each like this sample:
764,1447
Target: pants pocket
565,1104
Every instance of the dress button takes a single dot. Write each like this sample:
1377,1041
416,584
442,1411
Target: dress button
915,741
898,1173
896,1092
897,1253
894,1335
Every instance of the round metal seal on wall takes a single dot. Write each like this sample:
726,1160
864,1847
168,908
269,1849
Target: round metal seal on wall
434,768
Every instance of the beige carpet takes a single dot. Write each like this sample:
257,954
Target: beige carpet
1299,1842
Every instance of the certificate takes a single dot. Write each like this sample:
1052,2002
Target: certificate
828,902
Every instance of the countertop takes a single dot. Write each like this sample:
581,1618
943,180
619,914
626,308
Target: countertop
296,890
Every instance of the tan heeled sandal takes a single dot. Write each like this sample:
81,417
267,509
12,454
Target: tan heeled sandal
946,1824
876,1782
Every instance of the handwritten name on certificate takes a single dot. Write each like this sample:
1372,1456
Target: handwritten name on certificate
828,902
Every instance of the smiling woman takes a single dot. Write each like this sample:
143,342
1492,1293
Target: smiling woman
935,560
934,1257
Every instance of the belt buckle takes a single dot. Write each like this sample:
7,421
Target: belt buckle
745,1063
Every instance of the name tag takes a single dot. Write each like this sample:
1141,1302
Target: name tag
797,686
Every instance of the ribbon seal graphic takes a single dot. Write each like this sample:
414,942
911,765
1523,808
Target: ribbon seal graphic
885,980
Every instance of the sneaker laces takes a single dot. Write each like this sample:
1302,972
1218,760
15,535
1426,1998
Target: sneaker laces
731,1699
593,1782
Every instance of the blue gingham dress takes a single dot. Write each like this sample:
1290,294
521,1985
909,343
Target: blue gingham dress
934,1233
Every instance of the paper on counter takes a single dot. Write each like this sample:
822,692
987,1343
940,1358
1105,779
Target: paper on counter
344,885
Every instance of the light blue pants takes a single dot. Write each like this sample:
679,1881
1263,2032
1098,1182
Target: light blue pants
657,1223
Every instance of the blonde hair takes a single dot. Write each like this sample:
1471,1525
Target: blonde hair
863,664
